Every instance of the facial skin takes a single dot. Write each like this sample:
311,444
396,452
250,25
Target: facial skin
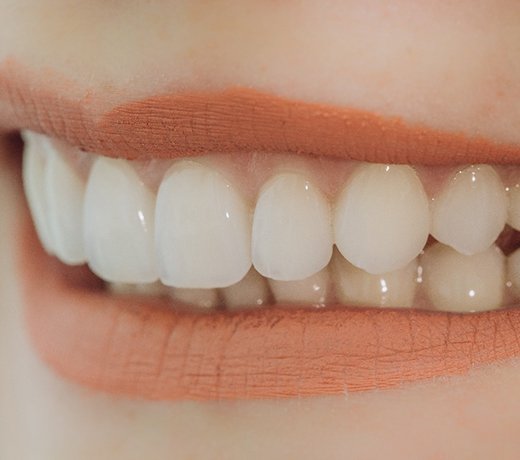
453,66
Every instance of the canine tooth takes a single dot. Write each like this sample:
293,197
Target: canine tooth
203,229
459,283
201,298
514,206
471,211
358,287
292,236
119,224
251,291
34,160
382,218
64,194
314,290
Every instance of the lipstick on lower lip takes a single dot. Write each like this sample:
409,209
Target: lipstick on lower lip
143,349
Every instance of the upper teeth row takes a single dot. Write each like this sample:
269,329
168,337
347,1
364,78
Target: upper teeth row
200,232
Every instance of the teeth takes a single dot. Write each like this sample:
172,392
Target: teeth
314,290
65,210
119,224
471,211
200,238
151,289
251,291
513,271
35,158
455,282
357,287
203,229
201,298
514,206
292,237
382,218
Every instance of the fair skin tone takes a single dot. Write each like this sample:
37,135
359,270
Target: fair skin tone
450,66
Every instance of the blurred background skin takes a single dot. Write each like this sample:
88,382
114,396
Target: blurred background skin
451,65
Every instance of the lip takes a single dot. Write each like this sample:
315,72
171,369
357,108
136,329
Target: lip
145,349
236,120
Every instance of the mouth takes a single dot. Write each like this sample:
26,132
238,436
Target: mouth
293,264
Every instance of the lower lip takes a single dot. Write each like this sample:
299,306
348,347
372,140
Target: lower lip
144,348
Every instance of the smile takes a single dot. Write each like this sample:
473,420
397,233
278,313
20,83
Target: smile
211,274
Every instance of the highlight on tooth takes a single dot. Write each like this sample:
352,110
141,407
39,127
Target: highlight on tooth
291,213
382,219
203,229
207,235
471,210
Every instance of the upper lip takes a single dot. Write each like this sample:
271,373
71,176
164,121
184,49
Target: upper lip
236,120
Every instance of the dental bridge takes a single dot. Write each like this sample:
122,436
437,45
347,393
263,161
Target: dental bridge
217,232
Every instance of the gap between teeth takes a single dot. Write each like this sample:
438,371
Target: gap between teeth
198,237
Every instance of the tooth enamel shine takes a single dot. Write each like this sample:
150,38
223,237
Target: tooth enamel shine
292,234
203,229
212,247
35,158
119,224
382,218
471,210
456,282
65,210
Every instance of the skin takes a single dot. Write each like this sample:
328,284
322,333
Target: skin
453,66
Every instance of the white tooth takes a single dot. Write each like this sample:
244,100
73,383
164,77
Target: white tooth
471,210
292,236
150,289
34,161
314,290
203,229
64,193
513,271
459,283
382,218
251,291
202,298
514,206
119,224
357,287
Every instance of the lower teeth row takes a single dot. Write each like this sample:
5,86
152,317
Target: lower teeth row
440,279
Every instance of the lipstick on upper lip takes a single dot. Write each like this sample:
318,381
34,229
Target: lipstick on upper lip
236,120
142,349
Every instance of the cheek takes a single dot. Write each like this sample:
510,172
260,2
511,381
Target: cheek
452,66
10,304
